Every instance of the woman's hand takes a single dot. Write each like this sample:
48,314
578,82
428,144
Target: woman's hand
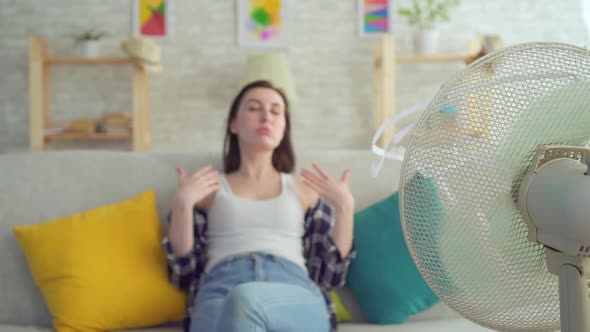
190,191
194,188
336,192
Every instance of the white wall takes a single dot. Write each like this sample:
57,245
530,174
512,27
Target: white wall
331,64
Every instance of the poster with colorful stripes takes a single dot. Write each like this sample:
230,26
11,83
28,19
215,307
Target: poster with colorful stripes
375,17
264,23
151,18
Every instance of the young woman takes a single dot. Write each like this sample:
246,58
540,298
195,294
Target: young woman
258,249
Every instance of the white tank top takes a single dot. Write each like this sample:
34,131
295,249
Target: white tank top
238,226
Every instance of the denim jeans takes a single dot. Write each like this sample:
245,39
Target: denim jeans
258,292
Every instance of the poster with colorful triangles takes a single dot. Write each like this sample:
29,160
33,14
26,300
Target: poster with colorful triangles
152,18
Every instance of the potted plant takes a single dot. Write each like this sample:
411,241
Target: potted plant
423,16
89,42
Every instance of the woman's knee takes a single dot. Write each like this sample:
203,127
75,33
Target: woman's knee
245,295
243,307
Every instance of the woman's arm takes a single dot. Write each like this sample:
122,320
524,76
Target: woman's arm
185,243
191,190
181,228
342,230
338,195
325,264
328,240
183,270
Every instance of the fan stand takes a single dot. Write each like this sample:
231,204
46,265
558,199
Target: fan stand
574,283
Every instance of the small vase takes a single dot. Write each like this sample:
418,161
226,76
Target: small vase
89,48
426,41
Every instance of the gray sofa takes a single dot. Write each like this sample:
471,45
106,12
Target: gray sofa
42,186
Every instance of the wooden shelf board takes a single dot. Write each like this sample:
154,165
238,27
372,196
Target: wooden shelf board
93,136
431,58
87,61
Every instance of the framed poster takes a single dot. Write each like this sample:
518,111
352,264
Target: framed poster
152,18
375,17
264,23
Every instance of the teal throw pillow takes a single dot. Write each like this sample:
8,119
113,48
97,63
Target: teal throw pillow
383,278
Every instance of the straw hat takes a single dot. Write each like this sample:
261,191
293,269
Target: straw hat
146,52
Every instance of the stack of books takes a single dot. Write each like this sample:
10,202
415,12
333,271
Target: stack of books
83,126
116,122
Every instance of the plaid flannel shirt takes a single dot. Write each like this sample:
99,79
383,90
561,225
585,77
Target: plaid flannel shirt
325,265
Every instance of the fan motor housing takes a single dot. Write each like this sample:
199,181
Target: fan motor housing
554,199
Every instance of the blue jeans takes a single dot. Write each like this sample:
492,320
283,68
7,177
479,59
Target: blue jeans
258,292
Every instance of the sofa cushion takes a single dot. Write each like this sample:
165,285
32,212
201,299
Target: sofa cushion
342,313
448,325
103,269
23,328
383,278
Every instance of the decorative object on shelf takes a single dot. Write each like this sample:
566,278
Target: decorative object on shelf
152,18
375,17
273,67
264,23
82,126
89,42
144,51
483,45
423,16
116,122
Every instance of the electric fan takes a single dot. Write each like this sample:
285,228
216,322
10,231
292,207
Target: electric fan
495,194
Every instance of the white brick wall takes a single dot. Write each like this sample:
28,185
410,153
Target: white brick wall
331,64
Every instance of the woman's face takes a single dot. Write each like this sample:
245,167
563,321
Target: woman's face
260,119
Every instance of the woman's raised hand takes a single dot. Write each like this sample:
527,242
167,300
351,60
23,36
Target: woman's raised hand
194,188
335,191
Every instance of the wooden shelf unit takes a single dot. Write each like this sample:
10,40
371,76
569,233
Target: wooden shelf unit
40,125
384,80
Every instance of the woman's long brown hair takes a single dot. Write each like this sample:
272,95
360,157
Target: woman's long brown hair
283,158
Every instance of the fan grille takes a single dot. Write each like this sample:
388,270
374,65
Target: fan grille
461,174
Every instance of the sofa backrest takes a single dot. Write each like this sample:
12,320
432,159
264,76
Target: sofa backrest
37,187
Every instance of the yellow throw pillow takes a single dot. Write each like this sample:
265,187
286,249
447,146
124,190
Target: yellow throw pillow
103,269
342,314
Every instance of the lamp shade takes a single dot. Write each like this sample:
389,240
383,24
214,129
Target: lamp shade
272,67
